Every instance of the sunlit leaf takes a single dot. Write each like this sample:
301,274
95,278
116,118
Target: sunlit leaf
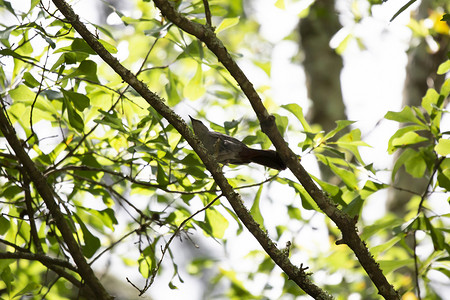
436,235
91,242
254,210
217,223
195,88
340,124
389,266
227,23
429,100
443,147
354,207
30,81
409,138
404,116
297,111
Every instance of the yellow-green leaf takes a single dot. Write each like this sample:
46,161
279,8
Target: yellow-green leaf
227,23
408,138
444,67
297,111
443,147
218,224
255,211
280,4
195,88
430,98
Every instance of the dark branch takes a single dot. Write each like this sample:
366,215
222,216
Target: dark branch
344,222
47,195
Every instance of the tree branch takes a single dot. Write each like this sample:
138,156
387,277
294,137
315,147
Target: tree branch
344,222
295,273
46,193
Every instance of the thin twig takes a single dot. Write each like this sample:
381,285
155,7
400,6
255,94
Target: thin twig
419,210
207,13
151,279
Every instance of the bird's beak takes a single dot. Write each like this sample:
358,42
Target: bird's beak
194,120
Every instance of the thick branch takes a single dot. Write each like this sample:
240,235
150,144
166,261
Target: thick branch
46,193
58,266
296,274
268,126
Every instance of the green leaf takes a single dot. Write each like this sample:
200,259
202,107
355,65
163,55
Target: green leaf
371,187
385,246
195,88
7,278
87,69
436,235
404,116
27,290
391,265
297,111
78,45
307,201
173,97
172,286
429,100
110,48
413,162
383,225
79,101
217,223
344,43
445,88
348,177
22,93
111,119
5,33
227,23
4,225
75,119
157,32
30,81
443,180
340,124
446,18
91,242
254,210
409,138
354,207
406,154
280,4
294,212
351,141
444,67
400,133
193,50
416,165
161,176
443,147
145,266
331,189
9,52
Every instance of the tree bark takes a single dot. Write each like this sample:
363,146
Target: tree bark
323,68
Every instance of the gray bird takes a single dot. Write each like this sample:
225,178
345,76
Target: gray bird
228,150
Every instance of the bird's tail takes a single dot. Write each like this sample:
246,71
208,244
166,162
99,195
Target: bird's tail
268,158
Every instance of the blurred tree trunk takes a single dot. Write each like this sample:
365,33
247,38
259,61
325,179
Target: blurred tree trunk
420,75
322,67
